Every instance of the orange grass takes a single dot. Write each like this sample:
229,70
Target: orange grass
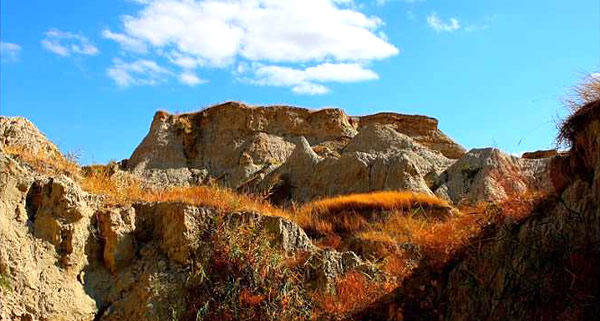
354,292
376,201
126,188
44,161
354,213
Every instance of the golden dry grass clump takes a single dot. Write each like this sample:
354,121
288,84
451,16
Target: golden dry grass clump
585,107
376,201
44,161
125,188
358,212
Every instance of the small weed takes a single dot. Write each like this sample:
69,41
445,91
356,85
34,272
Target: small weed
5,282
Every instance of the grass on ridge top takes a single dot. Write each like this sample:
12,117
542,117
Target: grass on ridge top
352,213
377,201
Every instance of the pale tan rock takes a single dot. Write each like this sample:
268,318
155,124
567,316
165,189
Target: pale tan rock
117,227
237,144
42,270
378,158
19,132
422,129
488,175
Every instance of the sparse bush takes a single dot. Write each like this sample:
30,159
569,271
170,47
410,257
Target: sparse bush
245,278
5,282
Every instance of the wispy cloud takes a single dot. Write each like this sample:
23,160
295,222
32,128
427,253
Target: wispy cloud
139,72
9,52
382,2
128,43
222,34
190,78
310,80
440,25
67,43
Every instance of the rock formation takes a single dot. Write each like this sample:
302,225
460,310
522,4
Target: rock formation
296,154
18,131
487,175
237,144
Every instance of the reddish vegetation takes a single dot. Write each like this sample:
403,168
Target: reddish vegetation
354,292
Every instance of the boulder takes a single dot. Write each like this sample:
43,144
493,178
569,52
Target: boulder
484,175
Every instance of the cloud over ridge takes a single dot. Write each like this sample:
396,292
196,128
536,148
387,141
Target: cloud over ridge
292,35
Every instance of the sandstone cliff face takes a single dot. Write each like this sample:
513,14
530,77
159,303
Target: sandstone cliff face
237,144
378,158
422,129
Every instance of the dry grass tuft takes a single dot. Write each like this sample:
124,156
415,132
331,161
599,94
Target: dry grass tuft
358,212
586,92
354,292
44,161
125,188
376,201
584,106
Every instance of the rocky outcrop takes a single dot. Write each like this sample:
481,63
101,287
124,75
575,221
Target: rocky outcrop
378,158
20,132
488,175
422,129
540,154
541,265
238,145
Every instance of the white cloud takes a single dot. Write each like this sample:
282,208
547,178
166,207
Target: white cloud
139,72
190,78
307,81
130,44
438,24
269,30
596,75
9,51
221,34
310,89
382,2
66,43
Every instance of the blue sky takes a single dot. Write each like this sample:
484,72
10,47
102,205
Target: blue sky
91,74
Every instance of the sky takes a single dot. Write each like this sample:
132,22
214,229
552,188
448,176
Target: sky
91,74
